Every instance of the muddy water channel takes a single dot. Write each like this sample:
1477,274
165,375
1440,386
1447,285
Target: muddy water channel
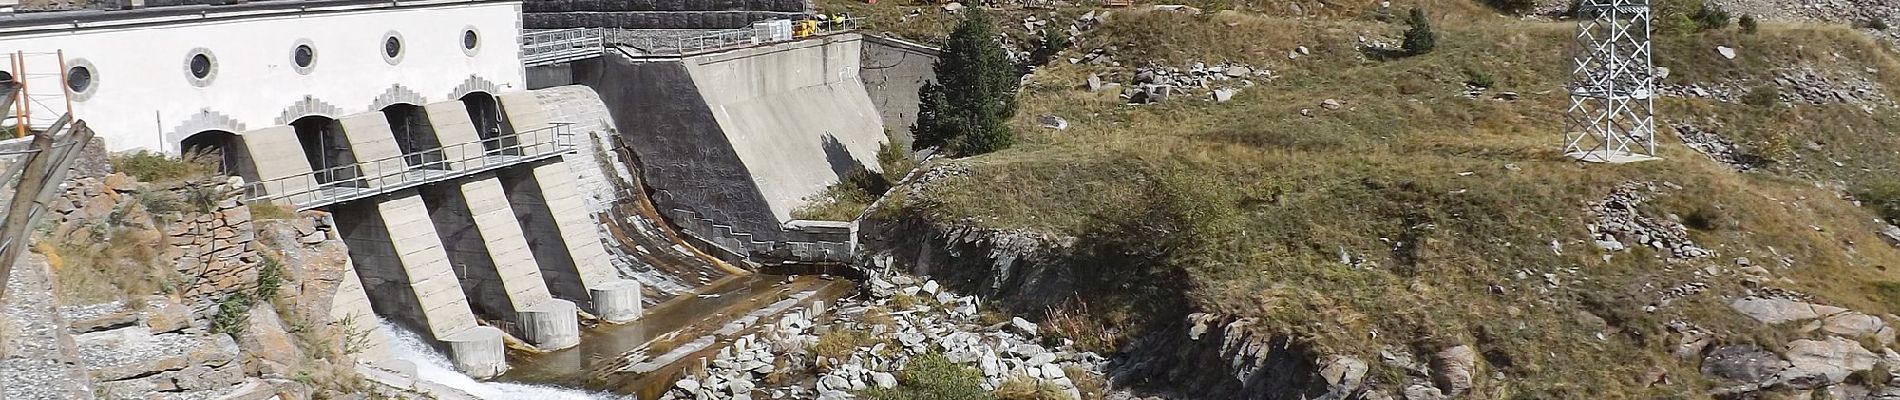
646,356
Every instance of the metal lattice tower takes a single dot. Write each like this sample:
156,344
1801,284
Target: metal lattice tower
1611,115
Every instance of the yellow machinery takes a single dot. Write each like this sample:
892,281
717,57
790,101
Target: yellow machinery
804,28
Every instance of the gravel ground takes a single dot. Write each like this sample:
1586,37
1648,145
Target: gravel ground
31,349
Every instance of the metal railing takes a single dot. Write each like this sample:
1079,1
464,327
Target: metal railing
682,45
561,45
388,174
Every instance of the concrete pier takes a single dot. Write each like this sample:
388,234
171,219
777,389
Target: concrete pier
409,279
373,143
566,244
276,155
452,126
494,263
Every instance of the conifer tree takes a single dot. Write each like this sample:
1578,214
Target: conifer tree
966,112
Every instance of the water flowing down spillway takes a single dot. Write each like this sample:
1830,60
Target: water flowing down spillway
434,367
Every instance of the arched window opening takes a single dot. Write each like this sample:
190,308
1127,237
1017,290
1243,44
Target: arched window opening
327,151
410,124
225,149
491,122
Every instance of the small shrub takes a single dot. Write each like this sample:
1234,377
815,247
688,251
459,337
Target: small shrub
159,168
270,210
1479,78
838,345
930,376
1072,320
1419,39
270,278
1872,23
894,160
1018,387
1092,385
1711,17
234,312
161,202
1703,218
880,316
1883,196
904,301
1762,96
203,199
1749,24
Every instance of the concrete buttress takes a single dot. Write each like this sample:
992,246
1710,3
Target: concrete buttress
409,279
497,270
566,244
374,146
278,160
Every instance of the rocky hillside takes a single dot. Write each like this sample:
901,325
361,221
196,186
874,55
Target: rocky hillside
1331,222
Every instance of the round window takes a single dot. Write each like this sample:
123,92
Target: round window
200,66
6,77
304,56
470,39
392,47
79,78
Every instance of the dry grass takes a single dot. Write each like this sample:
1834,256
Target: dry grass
121,264
1018,387
839,345
1249,203
270,210
1092,385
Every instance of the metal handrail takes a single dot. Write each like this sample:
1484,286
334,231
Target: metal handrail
561,45
370,178
681,45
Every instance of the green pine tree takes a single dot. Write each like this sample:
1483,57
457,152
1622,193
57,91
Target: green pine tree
1419,39
966,111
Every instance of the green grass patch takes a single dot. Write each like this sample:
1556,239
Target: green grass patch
930,376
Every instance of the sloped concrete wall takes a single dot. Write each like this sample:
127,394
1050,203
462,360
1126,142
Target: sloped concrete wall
744,136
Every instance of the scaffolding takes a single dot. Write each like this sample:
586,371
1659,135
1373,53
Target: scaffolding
1611,118
39,94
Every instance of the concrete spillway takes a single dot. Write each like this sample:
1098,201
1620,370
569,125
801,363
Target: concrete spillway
410,280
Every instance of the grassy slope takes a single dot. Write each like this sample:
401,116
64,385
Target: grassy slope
1269,197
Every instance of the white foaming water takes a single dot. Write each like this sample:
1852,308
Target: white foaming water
434,367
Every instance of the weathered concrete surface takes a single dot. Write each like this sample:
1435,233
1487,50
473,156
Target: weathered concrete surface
351,310
565,243
35,345
409,279
275,153
452,126
496,269
892,71
371,141
744,136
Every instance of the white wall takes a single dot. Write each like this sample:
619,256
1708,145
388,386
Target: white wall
143,97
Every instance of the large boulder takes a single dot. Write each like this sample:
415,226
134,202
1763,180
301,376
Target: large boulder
1776,311
1453,368
1857,325
268,349
1816,363
1743,363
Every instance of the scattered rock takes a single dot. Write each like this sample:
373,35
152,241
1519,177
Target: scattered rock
1726,52
1742,363
1776,311
1331,104
1052,122
1825,362
1453,369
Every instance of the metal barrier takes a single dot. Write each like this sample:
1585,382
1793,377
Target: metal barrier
375,177
682,45
561,45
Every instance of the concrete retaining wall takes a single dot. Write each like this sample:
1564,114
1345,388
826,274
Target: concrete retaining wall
743,137
893,70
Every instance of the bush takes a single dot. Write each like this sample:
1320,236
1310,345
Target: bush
1512,7
966,112
1762,96
1872,23
159,168
1881,195
1711,17
1479,78
839,344
1419,39
932,377
1749,24
269,210
234,312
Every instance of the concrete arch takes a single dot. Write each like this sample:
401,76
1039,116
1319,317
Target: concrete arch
308,106
397,94
203,120
474,84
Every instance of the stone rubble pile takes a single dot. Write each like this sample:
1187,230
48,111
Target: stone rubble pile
1715,146
938,321
1618,221
1834,346
1804,85
1155,83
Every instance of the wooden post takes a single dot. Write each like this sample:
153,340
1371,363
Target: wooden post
13,228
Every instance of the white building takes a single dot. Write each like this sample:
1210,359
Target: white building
153,78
